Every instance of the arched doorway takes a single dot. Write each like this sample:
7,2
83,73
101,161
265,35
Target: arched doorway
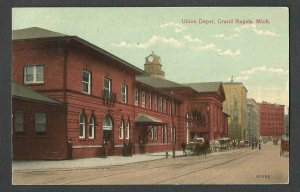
108,134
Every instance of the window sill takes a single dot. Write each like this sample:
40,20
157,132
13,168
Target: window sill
40,133
37,84
40,136
91,138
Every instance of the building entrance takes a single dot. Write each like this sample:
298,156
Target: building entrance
108,138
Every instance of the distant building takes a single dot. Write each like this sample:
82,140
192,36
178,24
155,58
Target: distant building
236,106
287,123
210,98
271,119
225,124
252,119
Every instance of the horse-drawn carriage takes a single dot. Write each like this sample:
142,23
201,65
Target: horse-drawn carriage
197,147
224,144
284,146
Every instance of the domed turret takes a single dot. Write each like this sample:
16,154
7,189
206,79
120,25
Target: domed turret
153,65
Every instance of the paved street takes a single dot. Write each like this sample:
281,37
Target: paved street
242,166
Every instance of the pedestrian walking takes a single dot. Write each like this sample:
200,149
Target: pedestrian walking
252,144
183,145
259,145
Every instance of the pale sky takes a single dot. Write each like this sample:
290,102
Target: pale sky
255,54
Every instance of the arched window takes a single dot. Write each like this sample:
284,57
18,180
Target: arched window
174,135
91,127
187,128
171,135
187,119
81,125
121,133
200,117
152,133
164,134
127,130
107,123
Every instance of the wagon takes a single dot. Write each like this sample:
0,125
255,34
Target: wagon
224,144
284,146
196,147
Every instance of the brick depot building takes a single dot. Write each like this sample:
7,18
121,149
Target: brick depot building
271,119
81,97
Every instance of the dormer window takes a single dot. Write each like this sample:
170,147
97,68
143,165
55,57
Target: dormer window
34,74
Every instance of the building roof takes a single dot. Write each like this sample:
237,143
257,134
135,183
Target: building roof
147,119
226,114
21,91
234,83
158,82
251,100
37,33
205,86
34,33
270,104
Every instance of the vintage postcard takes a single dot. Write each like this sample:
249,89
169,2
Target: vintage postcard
150,96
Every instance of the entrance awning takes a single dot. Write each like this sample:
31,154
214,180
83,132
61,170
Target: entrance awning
149,120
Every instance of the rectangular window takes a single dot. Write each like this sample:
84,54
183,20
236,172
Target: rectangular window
40,122
34,74
155,133
175,108
136,97
143,99
155,102
166,106
19,120
150,101
124,93
86,82
107,88
171,135
161,104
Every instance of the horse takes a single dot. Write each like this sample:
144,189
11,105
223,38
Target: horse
201,148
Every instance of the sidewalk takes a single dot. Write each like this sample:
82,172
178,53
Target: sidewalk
89,162
99,162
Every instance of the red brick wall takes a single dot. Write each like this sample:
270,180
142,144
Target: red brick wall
78,102
29,145
45,52
271,119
